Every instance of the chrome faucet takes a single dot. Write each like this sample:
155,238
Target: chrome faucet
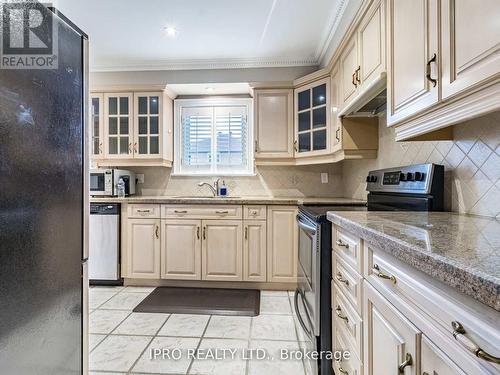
213,188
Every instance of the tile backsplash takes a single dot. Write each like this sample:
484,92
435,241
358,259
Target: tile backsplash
289,181
471,160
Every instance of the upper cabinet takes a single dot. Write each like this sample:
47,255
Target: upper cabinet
132,128
273,124
434,85
312,118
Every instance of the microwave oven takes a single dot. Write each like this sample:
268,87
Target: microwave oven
103,182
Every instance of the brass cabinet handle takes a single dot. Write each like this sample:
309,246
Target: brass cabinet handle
143,211
337,134
459,335
204,233
354,79
343,371
135,147
100,147
295,146
246,233
408,362
256,146
221,212
198,232
180,212
382,275
130,147
357,74
338,311
157,232
341,279
428,70
340,243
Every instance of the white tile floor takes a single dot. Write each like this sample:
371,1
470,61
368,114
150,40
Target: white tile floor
121,341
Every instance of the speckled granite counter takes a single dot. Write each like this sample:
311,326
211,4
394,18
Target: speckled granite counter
231,200
459,250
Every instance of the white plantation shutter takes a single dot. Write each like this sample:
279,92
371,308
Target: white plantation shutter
214,138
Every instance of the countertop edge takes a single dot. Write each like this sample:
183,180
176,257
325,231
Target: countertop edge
481,287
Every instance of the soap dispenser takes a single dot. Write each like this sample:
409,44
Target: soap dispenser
223,189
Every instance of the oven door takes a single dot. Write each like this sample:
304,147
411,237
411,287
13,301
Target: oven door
308,273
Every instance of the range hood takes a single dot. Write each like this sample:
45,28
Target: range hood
370,102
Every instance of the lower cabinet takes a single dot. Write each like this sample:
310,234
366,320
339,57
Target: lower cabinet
143,248
392,342
435,362
282,240
254,250
222,251
181,249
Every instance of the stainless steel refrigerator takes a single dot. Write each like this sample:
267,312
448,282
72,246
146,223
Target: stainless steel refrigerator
44,205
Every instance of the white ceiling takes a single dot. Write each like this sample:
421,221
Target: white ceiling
130,35
209,88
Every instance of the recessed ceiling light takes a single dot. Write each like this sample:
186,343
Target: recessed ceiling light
171,31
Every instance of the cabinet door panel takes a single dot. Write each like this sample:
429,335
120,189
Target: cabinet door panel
144,248
372,43
222,252
97,125
470,44
282,233
147,125
118,127
181,249
413,29
273,123
336,123
254,250
389,338
348,66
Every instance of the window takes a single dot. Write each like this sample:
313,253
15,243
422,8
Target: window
213,137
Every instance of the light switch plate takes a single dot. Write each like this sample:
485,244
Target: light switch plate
140,178
324,178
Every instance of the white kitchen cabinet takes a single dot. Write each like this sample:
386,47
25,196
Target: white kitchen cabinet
335,102
222,250
371,39
349,72
435,362
181,249
312,119
391,342
97,125
273,123
118,125
254,250
148,121
412,59
282,240
143,248
470,44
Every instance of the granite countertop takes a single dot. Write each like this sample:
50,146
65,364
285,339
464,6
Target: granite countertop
231,200
461,251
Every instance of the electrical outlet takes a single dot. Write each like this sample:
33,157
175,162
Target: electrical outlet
324,178
140,178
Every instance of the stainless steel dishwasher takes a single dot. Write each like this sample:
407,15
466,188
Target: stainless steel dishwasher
104,244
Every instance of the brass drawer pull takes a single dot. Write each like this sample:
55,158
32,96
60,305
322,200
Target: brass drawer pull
157,231
340,243
408,362
180,211
198,232
221,212
343,371
204,233
246,233
143,211
459,335
341,279
338,311
382,275
354,79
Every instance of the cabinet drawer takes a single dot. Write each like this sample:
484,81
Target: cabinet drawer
201,211
347,320
348,281
254,212
144,210
348,246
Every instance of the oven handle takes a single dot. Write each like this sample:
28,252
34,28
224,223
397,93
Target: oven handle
308,228
297,312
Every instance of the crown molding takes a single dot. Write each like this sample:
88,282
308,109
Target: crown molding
201,64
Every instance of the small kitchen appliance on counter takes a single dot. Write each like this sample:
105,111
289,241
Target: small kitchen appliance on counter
409,188
103,182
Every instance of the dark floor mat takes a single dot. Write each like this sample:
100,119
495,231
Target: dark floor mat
210,301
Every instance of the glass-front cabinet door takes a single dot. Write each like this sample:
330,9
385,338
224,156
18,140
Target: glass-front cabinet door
312,118
148,125
118,125
96,126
